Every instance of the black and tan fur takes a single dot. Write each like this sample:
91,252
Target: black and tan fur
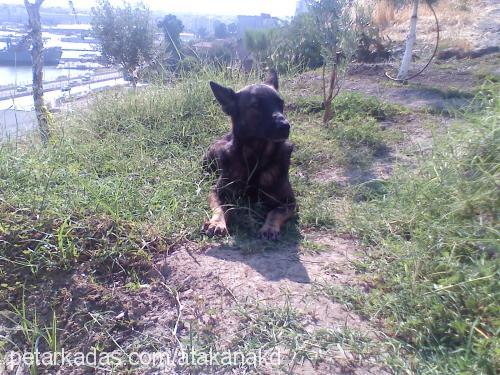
254,158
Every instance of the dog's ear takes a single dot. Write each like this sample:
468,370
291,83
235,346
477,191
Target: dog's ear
226,98
272,79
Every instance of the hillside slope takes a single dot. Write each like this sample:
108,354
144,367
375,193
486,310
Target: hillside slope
390,265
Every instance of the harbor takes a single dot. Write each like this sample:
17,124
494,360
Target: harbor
17,116
72,70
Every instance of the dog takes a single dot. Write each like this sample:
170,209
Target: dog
252,160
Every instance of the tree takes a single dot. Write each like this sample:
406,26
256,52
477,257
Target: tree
410,41
232,28
202,32
172,28
35,35
257,42
125,35
338,39
220,30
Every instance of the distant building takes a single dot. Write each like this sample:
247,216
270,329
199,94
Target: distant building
198,23
13,13
187,37
264,21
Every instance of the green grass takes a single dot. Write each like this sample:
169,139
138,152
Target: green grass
353,137
122,181
434,238
445,93
281,328
132,160
271,332
347,105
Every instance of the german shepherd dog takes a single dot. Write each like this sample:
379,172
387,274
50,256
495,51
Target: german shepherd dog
253,159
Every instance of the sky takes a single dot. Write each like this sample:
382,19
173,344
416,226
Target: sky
279,8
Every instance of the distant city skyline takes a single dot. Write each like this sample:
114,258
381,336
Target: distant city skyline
279,8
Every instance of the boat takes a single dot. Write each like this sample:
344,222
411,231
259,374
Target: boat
21,55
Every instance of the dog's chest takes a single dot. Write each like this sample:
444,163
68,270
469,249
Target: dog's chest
255,168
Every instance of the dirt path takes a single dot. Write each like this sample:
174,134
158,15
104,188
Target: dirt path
218,287
278,303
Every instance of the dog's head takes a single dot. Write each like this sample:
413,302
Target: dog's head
256,110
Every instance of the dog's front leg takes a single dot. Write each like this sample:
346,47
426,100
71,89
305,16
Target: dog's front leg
216,226
274,221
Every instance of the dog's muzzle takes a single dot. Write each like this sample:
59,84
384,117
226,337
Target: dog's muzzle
282,126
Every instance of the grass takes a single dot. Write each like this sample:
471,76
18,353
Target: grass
130,164
121,185
273,336
353,137
32,334
281,329
120,182
435,232
348,105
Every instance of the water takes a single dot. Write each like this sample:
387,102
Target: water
24,75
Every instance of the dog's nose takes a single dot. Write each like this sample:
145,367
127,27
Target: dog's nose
281,121
284,125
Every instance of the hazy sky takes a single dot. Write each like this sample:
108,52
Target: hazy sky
274,7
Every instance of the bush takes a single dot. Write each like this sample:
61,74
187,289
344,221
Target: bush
293,47
370,46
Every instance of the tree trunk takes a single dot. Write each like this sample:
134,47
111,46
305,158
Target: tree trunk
410,41
327,98
333,88
132,72
37,61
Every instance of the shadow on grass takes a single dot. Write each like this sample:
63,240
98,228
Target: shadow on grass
274,260
360,165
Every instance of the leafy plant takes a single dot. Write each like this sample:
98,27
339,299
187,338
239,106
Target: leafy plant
172,28
337,38
125,35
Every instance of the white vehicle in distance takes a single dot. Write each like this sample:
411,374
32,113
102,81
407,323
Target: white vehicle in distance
21,88
86,77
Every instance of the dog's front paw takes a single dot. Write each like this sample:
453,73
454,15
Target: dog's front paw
214,228
269,232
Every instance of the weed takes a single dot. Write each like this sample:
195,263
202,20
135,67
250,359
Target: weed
436,231
36,337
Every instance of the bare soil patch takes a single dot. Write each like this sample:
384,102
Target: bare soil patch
206,292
